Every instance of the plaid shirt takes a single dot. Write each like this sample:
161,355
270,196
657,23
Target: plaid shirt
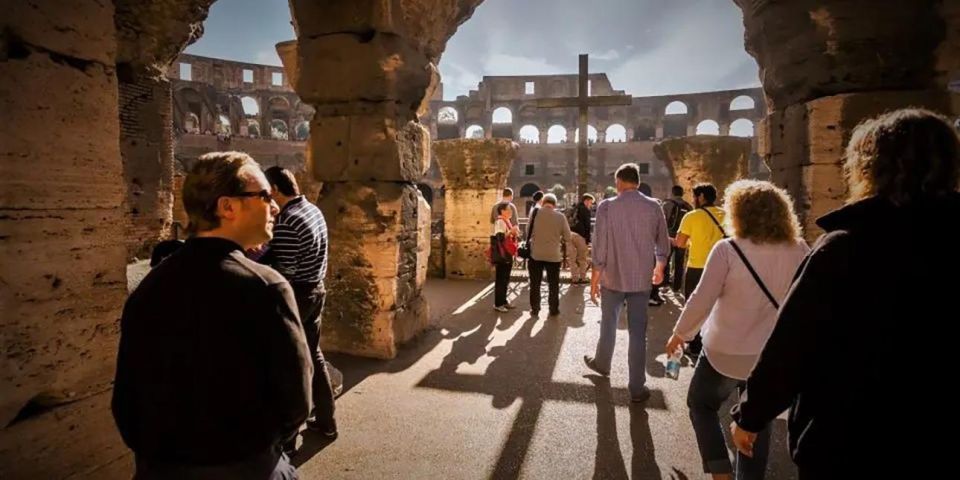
630,236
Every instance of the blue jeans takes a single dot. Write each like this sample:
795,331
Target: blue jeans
611,302
708,390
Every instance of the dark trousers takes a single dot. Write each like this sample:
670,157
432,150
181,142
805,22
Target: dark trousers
690,282
536,269
678,260
270,465
708,390
502,281
310,297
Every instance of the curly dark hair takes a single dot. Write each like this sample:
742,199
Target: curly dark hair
903,155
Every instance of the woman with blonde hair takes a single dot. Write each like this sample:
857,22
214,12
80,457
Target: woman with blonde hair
860,365
735,308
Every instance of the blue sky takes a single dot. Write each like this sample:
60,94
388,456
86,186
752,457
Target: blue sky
647,47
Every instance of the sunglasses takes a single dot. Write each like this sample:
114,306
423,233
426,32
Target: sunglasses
263,194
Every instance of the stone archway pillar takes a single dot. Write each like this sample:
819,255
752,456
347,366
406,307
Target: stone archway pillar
369,150
885,59
705,158
474,173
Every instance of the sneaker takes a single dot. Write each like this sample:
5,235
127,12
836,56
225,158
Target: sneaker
502,308
592,365
510,306
327,429
641,396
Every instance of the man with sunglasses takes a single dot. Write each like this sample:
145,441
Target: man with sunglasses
213,370
298,251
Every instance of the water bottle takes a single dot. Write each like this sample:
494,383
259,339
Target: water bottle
673,364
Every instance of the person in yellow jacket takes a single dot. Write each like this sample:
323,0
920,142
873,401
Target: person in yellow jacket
699,231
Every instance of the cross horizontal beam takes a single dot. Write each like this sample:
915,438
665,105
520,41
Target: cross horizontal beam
575,102
552,391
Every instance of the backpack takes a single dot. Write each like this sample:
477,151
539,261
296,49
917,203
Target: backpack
676,213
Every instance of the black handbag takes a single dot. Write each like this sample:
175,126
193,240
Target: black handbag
498,251
524,250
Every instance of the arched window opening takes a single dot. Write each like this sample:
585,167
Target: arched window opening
529,134
616,133
502,115
557,134
743,102
474,132
708,127
742,128
676,108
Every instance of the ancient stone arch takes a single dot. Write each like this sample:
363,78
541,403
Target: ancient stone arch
74,227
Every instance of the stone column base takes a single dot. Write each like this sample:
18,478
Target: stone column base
377,266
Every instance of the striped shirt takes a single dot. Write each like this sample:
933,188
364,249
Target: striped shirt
299,246
629,238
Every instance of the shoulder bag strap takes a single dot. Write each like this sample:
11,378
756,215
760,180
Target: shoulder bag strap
533,218
715,222
755,276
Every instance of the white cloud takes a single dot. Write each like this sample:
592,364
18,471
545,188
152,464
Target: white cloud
457,79
611,54
505,64
688,59
268,57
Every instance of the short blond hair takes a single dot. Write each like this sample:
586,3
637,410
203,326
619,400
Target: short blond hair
761,212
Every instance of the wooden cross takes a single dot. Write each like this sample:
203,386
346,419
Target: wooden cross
583,101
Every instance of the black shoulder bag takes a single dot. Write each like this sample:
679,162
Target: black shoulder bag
524,250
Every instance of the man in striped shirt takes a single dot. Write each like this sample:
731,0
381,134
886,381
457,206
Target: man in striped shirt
299,252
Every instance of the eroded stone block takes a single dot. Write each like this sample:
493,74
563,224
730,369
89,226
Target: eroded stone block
474,173
65,152
702,158
368,148
474,164
382,67
372,278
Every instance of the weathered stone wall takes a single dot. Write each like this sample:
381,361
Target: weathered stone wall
146,148
703,158
848,61
62,238
474,173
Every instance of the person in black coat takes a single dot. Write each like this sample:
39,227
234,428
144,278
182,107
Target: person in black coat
852,356
213,372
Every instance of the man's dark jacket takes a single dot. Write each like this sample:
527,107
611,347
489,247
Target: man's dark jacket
859,338
213,365
582,226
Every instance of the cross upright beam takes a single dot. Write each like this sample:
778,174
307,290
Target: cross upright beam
583,101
